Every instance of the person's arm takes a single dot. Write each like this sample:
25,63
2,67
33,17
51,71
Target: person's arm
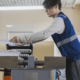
56,27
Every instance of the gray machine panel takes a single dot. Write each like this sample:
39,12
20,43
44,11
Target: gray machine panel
41,74
55,62
8,61
31,76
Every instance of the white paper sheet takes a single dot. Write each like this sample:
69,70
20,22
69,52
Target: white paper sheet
12,44
9,53
6,42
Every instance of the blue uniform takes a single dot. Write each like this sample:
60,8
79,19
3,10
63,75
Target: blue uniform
67,42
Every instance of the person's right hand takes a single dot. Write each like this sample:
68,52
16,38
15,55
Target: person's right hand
14,39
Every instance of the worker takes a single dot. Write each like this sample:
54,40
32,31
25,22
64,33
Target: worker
63,34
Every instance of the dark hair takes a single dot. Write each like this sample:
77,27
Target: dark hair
50,3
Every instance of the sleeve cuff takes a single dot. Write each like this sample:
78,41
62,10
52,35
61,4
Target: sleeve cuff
18,39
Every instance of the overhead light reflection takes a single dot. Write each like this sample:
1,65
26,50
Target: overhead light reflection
22,8
9,25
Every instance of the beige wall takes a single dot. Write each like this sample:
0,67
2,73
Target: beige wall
79,21
38,18
44,48
73,15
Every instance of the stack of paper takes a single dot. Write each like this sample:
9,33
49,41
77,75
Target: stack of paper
12,44
9,53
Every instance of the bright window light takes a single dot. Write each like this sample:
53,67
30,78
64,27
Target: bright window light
22,8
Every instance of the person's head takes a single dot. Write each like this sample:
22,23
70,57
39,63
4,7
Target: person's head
52,7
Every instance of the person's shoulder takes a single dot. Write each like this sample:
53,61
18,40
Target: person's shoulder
62,14
58,19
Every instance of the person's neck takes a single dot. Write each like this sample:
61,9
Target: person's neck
56,14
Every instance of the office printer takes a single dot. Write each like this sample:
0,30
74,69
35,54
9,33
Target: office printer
11,62
25,50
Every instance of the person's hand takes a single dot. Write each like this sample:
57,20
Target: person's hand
19,44
14,39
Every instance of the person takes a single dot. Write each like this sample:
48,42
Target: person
63,34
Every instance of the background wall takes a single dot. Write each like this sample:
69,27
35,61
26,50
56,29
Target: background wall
79,21
73,15
36,17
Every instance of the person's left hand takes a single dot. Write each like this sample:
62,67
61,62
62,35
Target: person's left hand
14,39
19,44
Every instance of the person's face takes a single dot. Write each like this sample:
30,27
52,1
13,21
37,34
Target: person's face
51,12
